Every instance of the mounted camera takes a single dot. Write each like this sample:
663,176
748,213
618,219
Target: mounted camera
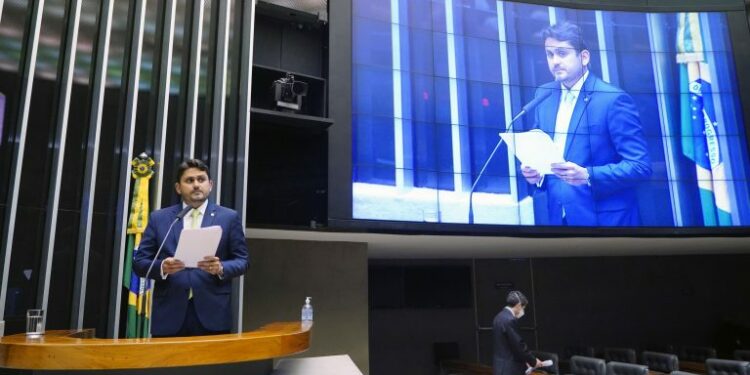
288,93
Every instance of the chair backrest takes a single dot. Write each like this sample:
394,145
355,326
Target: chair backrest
742,355
620,355
583,351
621,368
580,365
543,356
661,362
696,353
662,348
727,367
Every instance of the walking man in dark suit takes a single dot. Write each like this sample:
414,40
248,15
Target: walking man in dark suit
597,127
192,301
511,355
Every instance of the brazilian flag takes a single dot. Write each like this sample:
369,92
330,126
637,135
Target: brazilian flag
698,125
139,289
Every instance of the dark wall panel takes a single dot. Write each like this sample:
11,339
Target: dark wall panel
643,302
292,46
639,302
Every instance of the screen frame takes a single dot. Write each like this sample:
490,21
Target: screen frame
340,134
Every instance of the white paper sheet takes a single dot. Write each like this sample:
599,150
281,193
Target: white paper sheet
546,363
534,148
197,243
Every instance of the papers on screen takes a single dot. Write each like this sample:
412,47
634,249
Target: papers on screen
197,243
546,363
534,148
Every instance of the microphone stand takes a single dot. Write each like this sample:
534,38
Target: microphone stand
153,261
150,281
486,163
528,107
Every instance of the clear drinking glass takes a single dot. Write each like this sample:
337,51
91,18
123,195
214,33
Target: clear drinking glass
34,323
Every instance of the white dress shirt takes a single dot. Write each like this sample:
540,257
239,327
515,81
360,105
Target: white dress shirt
568,99
188,219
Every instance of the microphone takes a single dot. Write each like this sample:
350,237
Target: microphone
532,104
177,218
525,109
182,213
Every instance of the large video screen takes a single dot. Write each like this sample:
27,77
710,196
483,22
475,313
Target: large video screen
632,119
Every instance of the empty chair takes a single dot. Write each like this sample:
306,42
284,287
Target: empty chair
727,367
620,355
662,348
583,351
661,362
622,368
696,353
742,355
543,356
587,366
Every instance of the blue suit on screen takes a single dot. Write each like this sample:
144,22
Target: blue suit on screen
605,136
211,294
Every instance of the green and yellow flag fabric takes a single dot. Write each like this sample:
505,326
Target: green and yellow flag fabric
139,294
699,128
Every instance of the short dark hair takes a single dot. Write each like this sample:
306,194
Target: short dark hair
192,163
566,32
514,298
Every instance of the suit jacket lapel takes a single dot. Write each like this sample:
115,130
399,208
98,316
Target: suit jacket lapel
209,215
581,104
177,229
548,113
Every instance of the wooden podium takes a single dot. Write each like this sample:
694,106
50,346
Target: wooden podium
78,350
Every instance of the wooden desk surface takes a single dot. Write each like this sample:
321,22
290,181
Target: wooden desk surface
694,367
67,350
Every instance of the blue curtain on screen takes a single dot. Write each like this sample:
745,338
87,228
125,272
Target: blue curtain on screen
428,108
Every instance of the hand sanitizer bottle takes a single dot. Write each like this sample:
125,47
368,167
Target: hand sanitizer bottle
307,310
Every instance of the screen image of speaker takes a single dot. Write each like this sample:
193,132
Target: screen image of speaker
655,126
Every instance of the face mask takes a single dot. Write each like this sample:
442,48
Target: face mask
523,311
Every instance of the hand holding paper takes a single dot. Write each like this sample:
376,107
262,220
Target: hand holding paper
171,265
535,149
571,173
546,363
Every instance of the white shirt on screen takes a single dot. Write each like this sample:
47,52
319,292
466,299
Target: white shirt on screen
568,99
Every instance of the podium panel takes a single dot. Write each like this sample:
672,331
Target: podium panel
76,350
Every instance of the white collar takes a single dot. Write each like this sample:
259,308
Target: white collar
511,311
578,86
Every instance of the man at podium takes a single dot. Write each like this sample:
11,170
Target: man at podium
191,301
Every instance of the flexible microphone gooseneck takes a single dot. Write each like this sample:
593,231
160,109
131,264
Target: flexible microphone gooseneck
179,217
528,107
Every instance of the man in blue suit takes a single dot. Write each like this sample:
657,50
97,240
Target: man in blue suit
192,301
599,130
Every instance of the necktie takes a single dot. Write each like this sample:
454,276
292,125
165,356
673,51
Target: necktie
195,215
569,97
